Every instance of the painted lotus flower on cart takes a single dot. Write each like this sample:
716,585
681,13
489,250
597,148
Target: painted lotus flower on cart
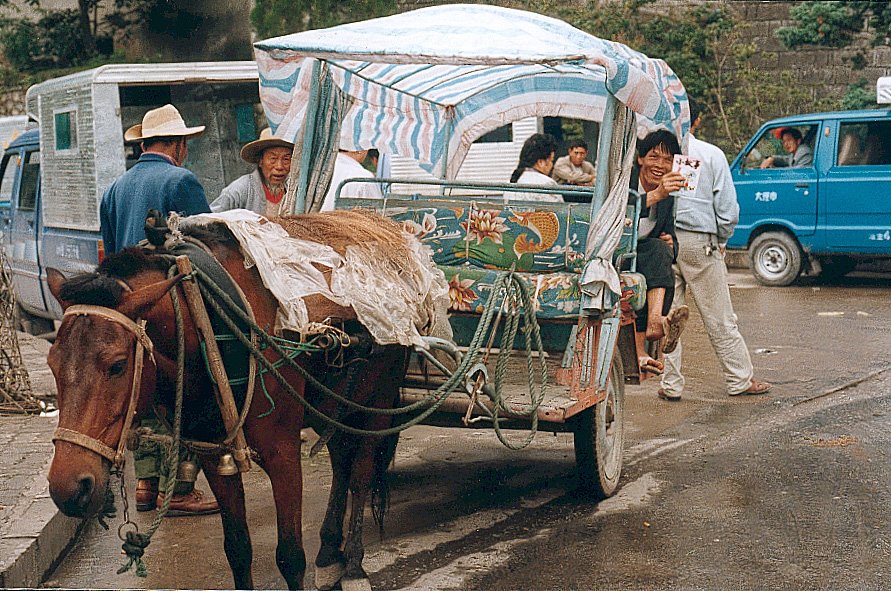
484,223
461,296
427,226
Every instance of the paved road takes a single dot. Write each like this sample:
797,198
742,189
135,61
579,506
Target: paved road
787,491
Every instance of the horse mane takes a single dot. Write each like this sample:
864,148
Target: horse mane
101,287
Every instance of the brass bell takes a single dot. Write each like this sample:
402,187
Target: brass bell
227,466
187,471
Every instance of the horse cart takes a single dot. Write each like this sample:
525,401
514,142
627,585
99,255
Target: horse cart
191,326
426,85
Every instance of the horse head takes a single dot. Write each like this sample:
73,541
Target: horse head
105,372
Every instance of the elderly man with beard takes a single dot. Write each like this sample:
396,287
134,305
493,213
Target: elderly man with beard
260,191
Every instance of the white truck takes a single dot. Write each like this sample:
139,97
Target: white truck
53,175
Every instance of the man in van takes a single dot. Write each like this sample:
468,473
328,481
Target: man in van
156,181
800,155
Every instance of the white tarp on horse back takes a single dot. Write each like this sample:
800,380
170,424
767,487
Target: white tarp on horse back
427,83
395,304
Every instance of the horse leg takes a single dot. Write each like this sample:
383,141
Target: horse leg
363,467
330,562
229,491
283,465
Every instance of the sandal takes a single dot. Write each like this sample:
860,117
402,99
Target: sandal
757,387
661,393
673,325
649,365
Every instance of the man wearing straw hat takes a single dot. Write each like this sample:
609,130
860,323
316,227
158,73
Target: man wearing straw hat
156,181
260,191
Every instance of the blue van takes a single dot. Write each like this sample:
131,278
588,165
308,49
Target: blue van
825,213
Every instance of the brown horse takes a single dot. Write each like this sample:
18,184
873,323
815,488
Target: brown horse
93,360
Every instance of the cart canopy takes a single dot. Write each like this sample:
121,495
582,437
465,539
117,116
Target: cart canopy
426,84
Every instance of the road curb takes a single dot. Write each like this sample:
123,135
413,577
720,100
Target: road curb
38,536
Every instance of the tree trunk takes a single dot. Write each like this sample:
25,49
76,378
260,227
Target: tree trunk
86,31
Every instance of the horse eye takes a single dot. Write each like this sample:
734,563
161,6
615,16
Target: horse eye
117,368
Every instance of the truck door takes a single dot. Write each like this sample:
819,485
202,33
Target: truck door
778,194
23,251
857,189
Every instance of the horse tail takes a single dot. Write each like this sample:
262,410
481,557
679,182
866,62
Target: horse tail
380,486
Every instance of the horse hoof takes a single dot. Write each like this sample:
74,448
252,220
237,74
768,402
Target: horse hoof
328,576
362,584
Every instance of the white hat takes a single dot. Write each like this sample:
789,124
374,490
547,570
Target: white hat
252,150
162,122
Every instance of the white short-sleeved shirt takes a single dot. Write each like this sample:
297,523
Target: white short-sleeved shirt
531,176
347,168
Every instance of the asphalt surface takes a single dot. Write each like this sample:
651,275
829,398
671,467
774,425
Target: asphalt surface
784,491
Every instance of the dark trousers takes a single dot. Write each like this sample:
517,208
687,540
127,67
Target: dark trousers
654,261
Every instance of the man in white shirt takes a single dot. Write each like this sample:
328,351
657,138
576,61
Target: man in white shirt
348,165
703,224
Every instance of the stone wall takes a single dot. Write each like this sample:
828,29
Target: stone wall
827,71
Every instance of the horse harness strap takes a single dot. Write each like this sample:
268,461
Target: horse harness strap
143,345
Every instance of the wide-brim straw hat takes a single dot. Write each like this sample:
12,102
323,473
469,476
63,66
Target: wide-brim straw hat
252,150
162,122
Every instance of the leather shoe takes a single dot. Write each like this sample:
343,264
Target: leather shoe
146,493
193,503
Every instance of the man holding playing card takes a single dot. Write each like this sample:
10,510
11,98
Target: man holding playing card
704,220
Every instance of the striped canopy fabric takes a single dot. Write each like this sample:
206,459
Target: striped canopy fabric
426,84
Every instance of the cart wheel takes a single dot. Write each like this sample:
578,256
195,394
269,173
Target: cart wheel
599,436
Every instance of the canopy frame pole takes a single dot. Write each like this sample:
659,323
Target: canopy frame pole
607,126
450,127
309,133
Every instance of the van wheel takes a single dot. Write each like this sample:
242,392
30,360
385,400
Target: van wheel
776,259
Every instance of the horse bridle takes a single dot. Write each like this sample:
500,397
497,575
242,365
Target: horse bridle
144,346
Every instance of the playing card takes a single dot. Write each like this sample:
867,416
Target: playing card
690,168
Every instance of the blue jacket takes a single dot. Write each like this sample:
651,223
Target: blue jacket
153,183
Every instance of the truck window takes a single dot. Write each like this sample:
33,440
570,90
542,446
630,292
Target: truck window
864,143
9,167
30,176
772,150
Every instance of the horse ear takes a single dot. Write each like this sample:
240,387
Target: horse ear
56,280
135,303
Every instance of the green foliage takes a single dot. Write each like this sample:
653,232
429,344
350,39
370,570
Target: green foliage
54,41
704,47
280,17
834,24
859,96
829,24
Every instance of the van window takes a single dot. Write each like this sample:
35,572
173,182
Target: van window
9,167
770,150
30,176
864,143
64,123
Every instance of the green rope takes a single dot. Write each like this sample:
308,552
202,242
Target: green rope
508,290
136,542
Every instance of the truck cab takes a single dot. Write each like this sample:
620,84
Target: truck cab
821,216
